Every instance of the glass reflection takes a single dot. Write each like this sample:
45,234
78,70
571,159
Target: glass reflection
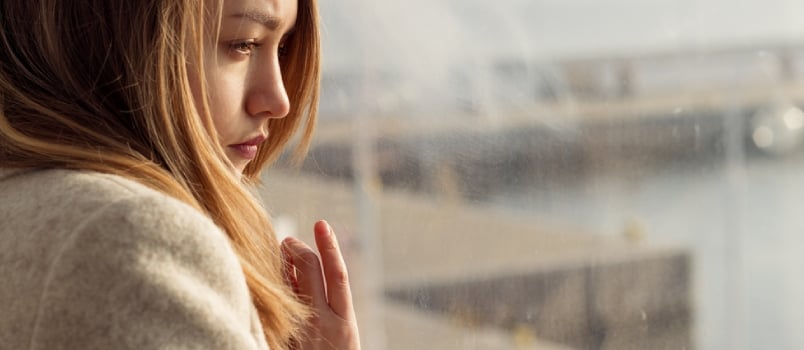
562,174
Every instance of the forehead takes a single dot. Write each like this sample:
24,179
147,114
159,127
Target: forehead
282,9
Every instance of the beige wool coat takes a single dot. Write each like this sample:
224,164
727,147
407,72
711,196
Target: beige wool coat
94,261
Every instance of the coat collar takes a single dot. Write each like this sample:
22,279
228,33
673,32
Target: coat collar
6,173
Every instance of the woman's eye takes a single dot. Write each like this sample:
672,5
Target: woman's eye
249,47
243,47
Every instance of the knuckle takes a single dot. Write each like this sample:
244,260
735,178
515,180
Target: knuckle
332,244
341,277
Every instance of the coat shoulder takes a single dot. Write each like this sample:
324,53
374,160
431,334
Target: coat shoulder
109,263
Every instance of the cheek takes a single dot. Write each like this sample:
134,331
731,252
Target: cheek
226,96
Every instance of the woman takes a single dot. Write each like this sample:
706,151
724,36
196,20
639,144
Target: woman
127,130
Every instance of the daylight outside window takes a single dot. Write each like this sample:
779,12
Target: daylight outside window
574,174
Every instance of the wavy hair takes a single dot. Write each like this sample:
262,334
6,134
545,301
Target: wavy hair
103,85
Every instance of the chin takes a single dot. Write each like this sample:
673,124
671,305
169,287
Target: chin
240,168
236,169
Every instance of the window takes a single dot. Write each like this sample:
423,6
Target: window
573,174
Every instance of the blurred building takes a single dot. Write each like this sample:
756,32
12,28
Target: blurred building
585,116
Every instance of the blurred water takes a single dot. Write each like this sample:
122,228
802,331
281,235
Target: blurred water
741,221
745,234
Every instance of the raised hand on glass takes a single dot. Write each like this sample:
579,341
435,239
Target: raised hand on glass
323,283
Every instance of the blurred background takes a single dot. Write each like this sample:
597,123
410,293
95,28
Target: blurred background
561,174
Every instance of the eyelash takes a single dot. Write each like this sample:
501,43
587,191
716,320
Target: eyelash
247,48
244,47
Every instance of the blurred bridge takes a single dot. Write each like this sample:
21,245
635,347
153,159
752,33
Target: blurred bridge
580,117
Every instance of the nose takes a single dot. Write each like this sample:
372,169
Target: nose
267,96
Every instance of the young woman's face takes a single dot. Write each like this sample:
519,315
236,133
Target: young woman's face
244,79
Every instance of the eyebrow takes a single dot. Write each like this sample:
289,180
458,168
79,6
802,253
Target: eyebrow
269,21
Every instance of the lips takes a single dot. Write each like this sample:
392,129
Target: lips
248,150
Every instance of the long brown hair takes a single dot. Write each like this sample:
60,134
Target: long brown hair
102,85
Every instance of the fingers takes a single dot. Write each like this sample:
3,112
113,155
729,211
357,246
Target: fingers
309,277
324,284
339,294
329,287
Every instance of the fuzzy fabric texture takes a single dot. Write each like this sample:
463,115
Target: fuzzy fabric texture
94,261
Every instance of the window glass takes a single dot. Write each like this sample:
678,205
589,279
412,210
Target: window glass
561,174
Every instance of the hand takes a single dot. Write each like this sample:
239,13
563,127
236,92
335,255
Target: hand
333,324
